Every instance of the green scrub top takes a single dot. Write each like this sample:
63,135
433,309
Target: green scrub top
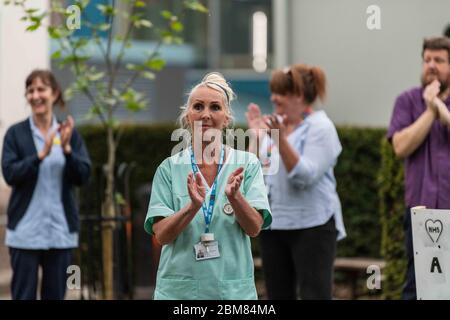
231,276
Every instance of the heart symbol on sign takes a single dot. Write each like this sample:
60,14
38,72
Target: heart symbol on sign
434,229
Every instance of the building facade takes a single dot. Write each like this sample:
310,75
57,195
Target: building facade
366,67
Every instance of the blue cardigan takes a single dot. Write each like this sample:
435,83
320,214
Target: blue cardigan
20,166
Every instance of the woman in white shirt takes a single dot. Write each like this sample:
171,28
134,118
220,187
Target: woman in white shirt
299,249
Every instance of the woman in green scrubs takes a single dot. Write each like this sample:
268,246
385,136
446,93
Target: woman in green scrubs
206,203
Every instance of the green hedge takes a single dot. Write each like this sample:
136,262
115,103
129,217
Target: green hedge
356,173
145,145
392,207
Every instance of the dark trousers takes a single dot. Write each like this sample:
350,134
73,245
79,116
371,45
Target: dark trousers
299,259
409,289
25,265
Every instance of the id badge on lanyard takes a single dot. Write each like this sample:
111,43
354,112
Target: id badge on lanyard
208,247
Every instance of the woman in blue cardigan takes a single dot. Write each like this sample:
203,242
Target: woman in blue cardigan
42,160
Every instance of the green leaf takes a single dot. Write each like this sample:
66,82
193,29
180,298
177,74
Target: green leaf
31,11
176,26
166,36
133,67
142,23
54,32
35,19
101,8
146,23
82,3
130,66
135,106
106,10
104,26
95,76
166,14
56,54
140,4
165,33
135,17
119,199
148,75
33,27
195,5
81,83
110,101
71,59
129,94
39,17
68,94
58,32
133,100
155,64
96,110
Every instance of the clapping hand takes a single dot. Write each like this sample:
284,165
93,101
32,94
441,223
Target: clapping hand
277,122
48,145
65,131
196,189
431,93
234,182
255,120
444,114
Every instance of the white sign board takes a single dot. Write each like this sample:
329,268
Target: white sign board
431,243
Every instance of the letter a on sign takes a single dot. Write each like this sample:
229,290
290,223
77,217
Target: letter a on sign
435,264
374,20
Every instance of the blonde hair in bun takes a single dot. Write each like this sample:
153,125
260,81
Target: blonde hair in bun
216,81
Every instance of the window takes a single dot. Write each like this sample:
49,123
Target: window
195,25
237,31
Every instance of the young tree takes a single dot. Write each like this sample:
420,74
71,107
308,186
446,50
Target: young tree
105,93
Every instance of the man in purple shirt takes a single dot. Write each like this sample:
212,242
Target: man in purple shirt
420,134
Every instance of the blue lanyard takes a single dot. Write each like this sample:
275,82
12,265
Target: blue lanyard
208,211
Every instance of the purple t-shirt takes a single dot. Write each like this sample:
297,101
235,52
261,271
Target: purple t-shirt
427,169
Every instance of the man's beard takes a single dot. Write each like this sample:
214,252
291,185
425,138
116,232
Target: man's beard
444,84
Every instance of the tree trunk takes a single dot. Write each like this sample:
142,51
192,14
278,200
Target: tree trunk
109,224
